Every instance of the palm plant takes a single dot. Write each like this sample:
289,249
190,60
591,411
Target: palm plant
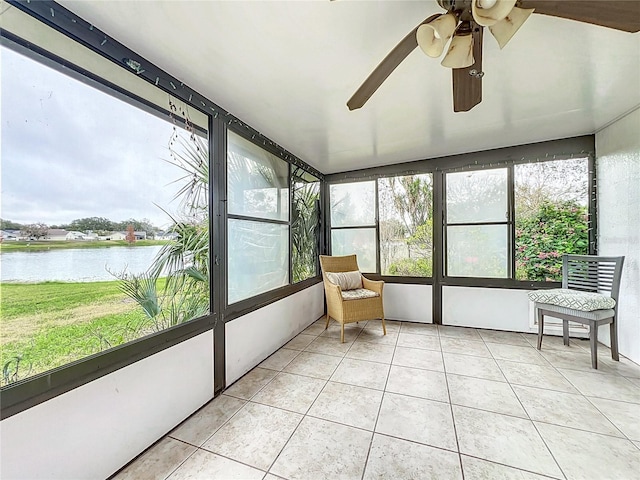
304,229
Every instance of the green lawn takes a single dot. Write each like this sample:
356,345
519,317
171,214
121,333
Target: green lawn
39,245
50,324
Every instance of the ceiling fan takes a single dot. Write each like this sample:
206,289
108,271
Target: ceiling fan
463,23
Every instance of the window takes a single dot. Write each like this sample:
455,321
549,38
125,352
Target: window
258,219
477,226
305,225
353,222
109,218
406,225
551,201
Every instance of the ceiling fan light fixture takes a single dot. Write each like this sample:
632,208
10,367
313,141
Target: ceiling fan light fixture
433,36
490,12
509,25
460,54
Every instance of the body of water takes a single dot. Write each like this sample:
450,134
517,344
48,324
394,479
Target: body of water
75,264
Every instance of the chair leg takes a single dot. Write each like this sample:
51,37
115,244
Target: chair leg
326,325
565,332
342,333
384,327
540,328
613,333
593,337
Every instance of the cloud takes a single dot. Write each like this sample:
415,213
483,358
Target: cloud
71,151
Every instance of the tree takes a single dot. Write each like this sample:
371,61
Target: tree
9,225
34,231
131,236
92,224
305,228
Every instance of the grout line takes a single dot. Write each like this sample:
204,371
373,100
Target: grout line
607,417
508,466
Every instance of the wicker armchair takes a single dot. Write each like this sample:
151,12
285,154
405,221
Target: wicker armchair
345,310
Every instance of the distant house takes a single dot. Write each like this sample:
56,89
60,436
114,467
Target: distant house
167,236
57,234
123,235
10,234
76,236
140,235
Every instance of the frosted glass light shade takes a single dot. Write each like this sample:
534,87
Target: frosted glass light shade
509,25
495,12
433,36
460,54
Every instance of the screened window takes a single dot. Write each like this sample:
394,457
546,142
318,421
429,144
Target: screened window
353,222
108,230
258,225
305,225
551,201
406,225
477,224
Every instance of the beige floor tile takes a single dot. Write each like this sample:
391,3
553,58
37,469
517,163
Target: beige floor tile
624,366
428,342
376,336
418,420
351,331
313,365
280,359
290,392
418,358
572,359
376,325
515,353
624,415
484,394
602,385
584,455
419,328
418,383
247,386
476,469
535,376
555,342
300,342
348,404
503,439
392,458
372,352
564,409
157,462
361,373
314,329
635,381
321,449
462,333
203,464
255,435
204,423
329,346
477,367
464,347
498,336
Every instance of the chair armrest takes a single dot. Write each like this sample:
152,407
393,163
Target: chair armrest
333,292
374,285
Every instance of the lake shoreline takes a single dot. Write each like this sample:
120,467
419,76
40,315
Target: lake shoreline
45,245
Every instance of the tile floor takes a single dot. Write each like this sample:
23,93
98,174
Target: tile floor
423,402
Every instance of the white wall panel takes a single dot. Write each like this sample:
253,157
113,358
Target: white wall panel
94,430
618,177
411,303
256,335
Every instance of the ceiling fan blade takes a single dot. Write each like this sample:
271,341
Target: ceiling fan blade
388,65
618,14
467,89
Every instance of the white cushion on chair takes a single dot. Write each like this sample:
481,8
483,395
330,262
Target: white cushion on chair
358,294
575,299
346,280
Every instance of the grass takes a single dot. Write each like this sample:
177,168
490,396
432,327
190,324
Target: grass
41,245
50,324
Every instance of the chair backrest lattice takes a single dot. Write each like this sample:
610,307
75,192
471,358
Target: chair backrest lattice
592,274
345,263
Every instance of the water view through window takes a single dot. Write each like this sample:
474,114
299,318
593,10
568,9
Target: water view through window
104,218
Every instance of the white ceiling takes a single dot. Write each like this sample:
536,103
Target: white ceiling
288,68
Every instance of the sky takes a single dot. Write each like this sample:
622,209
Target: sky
70,151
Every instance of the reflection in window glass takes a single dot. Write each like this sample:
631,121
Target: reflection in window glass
305,225
551,216
477,196
359,241
406,225
91,254
258,258
257,181
477,251
353,204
